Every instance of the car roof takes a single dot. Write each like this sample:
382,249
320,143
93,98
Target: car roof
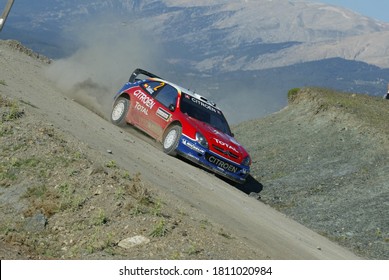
188,92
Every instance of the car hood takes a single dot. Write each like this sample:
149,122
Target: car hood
219,142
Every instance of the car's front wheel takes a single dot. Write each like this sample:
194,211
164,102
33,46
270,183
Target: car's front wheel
171,140
119,111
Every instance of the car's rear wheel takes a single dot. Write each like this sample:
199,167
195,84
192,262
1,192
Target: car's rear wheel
171,140
119,111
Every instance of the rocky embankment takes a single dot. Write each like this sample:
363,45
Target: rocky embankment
323,160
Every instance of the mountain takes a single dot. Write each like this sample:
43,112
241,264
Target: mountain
205,44
242,34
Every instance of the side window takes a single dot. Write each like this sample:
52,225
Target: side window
167,95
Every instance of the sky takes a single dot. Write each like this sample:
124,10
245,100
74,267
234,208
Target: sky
377,9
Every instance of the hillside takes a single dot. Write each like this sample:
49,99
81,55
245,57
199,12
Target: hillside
62,198
74,186
323,160
59,201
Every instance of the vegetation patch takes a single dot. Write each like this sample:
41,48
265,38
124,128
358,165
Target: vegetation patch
10,110
292,93
160,229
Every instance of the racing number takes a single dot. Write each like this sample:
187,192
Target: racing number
162,84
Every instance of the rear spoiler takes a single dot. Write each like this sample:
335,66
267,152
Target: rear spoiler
139,71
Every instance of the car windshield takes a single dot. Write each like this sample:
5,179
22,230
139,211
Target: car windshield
204,112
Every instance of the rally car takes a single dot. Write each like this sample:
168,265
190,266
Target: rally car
186,123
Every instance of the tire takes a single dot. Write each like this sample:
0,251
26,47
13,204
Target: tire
119,111
171,139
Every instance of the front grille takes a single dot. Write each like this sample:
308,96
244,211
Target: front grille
225,152
222,164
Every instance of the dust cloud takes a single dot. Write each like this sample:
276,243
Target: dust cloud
109,51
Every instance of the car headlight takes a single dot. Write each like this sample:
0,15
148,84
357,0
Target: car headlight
201,140
246,161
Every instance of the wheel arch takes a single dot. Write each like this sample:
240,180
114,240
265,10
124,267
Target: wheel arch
123,94
171,146
120,120
175,122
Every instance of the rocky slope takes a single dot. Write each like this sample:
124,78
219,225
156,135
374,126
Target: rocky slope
75,186
323,160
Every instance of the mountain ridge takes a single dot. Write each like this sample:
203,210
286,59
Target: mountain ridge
237,23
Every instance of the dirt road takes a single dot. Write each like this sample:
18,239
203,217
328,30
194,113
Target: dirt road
265,229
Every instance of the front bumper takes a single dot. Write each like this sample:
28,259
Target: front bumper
194,152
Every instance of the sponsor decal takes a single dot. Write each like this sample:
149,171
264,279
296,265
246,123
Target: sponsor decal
193,146
221,143
163,114
192,156
222,164
146,100
149,89
141,108
205,105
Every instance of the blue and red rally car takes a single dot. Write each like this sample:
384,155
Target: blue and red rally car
183,121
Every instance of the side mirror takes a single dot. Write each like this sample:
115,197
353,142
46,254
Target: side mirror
172,108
